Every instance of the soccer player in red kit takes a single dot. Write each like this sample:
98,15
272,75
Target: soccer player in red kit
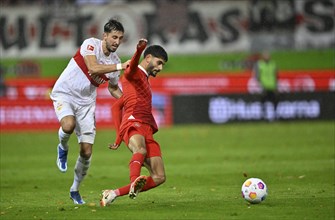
138,124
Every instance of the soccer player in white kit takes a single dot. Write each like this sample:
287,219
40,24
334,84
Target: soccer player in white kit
74,97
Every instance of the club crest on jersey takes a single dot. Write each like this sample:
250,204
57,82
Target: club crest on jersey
136,124
59,106
90,47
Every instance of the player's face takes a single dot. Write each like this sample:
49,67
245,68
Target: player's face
155,66
113,40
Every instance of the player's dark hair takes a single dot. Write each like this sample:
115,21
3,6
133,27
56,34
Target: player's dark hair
156,51
113,25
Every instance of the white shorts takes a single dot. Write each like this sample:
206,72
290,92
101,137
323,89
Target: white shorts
84,115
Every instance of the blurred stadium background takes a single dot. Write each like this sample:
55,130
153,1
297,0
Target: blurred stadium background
212,45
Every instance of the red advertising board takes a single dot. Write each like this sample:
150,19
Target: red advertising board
27,105
289,81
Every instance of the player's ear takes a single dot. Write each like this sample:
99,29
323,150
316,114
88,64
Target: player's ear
148,58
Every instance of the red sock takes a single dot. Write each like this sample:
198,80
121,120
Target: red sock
150,184
123,190
135,166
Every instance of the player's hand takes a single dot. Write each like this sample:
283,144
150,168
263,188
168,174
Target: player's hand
125,64
142,43
114,146
116,143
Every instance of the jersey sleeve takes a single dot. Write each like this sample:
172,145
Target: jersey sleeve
134,63
89,47
117,117
117,112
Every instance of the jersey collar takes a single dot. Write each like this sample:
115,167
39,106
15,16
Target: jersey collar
139,66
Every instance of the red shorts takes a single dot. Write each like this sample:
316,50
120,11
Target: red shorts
153,148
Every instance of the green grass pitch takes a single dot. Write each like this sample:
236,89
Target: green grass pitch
205,166
205,63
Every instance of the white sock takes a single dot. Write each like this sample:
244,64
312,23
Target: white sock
80,171
63,139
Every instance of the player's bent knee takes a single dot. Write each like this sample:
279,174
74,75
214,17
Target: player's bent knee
68,128
86,155
86,150
68,124
159,179
140,150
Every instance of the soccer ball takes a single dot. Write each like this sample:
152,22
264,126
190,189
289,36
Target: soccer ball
254,190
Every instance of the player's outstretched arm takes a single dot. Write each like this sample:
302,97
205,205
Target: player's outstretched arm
117,117
117,113
95,68
141,45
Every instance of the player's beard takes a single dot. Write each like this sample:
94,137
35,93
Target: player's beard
152,72
110,48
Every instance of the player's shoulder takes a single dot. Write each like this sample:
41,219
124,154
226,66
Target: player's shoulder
90,46
92,40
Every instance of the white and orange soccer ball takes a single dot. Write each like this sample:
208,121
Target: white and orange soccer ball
254,190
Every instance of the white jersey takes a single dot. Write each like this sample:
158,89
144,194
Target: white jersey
75,84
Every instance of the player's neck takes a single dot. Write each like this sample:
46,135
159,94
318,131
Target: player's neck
104,49
143,68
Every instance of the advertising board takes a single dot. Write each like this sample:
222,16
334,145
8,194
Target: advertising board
181,99
219,109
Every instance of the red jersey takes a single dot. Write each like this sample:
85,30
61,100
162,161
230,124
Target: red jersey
137,95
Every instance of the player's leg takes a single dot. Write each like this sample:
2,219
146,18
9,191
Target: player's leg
135,164
80,171
156,169
65,115
154,163
85,131
135,140
272,105
274,99
155,166
263,103
137,146
68,123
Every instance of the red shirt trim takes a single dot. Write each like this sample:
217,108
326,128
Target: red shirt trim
79,59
